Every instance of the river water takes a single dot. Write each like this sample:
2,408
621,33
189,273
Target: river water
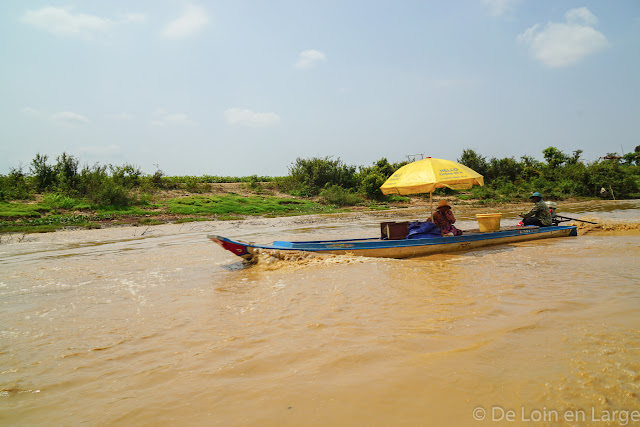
159,326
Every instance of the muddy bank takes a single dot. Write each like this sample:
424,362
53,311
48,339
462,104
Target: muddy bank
611,216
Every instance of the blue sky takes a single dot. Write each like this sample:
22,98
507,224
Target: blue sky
245,87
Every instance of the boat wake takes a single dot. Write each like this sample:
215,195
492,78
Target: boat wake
274,260
606,226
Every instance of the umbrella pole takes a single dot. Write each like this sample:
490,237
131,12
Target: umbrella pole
430,204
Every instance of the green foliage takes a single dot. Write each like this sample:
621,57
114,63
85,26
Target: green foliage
396,198
575,158
127,176
92,179
14,186
239,205
506,168
554,157
100,189
254,183
43,174
310,176
613,178
371,178
191,184
157,179
110,190
18,210
531,168
484,194
110,194
384,168
60,201
473,160
633,158
338,196
211,179
560,177
66,172
370,185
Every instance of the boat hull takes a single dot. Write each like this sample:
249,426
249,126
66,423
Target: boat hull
404,248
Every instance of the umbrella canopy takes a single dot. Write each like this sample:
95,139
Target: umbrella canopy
425,175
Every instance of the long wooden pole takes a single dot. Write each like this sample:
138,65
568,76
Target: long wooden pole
430,204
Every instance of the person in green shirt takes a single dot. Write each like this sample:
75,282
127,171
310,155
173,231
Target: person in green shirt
538,215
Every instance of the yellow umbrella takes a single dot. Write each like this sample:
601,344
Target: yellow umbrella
425,175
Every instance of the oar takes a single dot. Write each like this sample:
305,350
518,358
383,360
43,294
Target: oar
566,218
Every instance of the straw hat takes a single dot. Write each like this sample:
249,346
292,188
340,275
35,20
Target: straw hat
443,203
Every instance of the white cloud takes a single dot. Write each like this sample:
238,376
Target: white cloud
243,117
122,116
310,58
499,7
31,111
163,118
563,44
135,18
62,22
193,19
69,117
581,15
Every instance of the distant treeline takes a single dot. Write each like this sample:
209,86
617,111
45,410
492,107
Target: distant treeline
99,185
559,176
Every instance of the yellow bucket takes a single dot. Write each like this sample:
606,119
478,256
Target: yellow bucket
489,222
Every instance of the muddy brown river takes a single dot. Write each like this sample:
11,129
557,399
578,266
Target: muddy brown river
152,326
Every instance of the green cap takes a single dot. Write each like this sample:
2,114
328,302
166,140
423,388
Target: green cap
536,194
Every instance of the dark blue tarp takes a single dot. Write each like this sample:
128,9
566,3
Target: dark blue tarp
423,230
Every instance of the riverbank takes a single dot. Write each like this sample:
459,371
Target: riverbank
219,202
222,202
602,212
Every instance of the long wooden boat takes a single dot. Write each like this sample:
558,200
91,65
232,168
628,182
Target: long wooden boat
404,248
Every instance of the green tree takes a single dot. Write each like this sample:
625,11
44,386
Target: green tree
554,157
475,161
66,171
14,186
43,174
531,168
507,169
310,176
372,177
575,158
633,158
100,189
617,180
126,175
371,183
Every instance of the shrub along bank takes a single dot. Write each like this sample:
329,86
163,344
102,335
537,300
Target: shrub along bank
53,195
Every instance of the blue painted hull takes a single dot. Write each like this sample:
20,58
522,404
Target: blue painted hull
374,247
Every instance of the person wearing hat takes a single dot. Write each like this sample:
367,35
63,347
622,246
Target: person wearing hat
538,215
443,218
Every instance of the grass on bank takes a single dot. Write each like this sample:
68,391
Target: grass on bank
240,205
53,213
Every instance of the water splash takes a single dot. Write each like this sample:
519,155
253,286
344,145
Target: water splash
617,226
273,260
